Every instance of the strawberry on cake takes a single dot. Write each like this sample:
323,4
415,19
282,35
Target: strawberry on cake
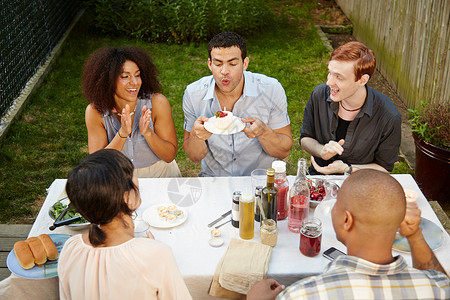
223,119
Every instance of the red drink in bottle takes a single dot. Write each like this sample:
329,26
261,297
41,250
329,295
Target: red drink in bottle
298,211
282,185
310,237
299,198
283,188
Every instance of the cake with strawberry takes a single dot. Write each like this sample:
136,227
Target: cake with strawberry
223,119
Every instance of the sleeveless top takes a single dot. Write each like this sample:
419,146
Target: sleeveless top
135,147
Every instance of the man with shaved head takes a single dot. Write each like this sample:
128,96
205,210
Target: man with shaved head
369,210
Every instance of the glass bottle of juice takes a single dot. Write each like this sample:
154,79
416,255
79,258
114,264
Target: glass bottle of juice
282,186
269,196
299,198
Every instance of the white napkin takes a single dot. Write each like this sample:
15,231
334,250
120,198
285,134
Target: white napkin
244,264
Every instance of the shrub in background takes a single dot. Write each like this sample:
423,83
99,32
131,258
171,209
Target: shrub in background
431,123
179,20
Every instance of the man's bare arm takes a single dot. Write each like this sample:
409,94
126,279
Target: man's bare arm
194,143
422,256
275,142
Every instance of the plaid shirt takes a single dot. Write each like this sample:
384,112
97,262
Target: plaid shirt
349,277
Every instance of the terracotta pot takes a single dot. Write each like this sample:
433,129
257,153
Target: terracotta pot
432,170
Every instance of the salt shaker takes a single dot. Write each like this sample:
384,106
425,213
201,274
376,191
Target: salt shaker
235,209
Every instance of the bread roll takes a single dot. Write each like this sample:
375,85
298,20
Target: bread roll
49,246
38,250
24,255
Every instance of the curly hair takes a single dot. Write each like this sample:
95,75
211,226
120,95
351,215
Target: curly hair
359,53
227,40
105,65
96,187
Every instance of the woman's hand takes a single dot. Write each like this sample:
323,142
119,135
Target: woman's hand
144,121
125,121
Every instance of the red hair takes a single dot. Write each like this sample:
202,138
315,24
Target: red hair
362,56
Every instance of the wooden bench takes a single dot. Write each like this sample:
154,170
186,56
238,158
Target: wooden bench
9,234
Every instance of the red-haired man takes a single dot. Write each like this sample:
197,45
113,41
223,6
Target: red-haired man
346,123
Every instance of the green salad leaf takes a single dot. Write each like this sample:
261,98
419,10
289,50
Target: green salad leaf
58,208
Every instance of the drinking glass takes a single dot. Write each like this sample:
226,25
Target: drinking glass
259,178
331,190
246,216
310,237
140,228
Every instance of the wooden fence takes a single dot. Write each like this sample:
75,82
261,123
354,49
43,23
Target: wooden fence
411,41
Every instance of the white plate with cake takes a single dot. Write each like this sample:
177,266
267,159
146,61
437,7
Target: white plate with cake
224,122
165,215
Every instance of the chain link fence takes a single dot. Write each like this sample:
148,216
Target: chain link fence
29,31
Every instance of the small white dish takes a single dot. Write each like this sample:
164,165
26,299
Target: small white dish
216,242
236,126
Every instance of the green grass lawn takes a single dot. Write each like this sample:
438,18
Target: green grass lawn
50,136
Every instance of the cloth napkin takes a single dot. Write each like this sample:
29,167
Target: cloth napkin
243,264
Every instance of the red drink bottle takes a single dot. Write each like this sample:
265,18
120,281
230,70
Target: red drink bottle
299,199
282,185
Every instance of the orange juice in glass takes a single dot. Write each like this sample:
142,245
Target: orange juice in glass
246,216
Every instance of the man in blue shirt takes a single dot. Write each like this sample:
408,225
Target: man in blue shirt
259,101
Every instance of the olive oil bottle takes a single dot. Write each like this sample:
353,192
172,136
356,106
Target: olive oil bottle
269,196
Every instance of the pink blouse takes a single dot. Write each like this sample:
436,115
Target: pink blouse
140,268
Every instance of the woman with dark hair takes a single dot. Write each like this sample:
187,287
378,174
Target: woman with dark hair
127,111
108,262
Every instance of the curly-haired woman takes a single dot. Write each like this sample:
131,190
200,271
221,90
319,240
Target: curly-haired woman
127,111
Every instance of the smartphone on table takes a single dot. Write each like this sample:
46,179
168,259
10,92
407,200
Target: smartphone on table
332,253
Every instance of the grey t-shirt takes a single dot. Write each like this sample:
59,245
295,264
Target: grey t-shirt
136,147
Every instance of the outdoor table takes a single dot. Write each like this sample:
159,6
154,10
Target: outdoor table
205,199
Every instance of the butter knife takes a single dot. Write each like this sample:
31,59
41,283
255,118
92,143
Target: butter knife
220,218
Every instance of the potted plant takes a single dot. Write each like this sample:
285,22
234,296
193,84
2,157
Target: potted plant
431,132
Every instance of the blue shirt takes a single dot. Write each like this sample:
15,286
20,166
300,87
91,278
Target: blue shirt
236,155
350,277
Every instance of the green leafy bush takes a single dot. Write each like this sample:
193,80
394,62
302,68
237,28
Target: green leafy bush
179,20
431,123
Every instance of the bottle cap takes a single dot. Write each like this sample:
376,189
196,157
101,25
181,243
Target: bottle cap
279,166
270,172
301,162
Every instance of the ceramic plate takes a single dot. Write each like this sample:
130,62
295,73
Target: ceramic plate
47,270
432,233
236,126
151,216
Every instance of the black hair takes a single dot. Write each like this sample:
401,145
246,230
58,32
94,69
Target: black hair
105,65
96,188
226,40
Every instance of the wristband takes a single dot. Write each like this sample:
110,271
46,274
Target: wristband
350,169
123,137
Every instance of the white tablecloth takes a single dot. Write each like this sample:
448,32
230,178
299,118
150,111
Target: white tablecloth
205,199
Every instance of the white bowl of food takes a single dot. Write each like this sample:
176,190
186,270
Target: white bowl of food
59,206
